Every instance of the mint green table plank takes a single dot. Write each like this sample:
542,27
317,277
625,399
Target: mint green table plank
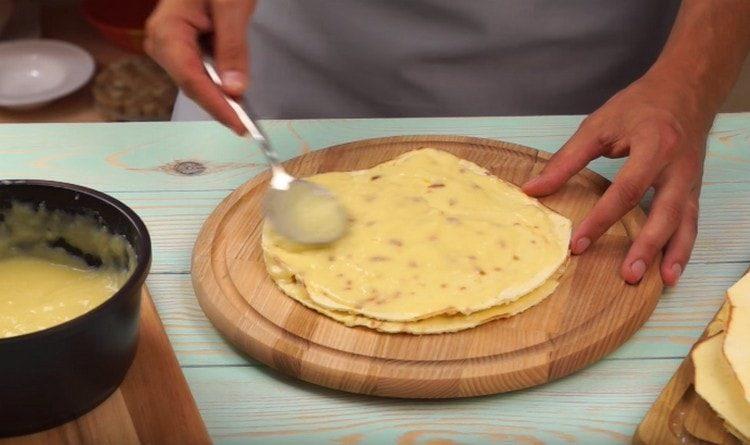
174,220
680,317
683,312
602,404
142,156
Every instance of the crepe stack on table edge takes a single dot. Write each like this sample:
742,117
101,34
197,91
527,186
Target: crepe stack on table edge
435,244
722,362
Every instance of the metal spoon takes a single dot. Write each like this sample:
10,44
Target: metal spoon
299,210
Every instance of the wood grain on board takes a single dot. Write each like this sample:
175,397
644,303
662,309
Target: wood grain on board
153,405
592,312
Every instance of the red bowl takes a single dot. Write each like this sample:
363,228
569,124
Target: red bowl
120,22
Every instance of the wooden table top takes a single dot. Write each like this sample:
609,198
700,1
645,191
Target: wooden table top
174,174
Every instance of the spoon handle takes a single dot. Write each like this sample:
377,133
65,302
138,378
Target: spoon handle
249,122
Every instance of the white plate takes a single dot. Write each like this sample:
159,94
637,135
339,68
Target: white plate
34,72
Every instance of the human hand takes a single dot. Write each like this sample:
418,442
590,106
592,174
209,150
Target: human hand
663,132
172,34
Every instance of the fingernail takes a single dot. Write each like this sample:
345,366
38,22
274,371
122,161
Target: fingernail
233,80
638,267
531,182
677,270
582,244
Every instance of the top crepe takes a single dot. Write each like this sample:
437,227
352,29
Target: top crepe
429,234
738,333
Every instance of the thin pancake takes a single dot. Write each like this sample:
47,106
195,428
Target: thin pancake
431,234
738,332
717,384
433,325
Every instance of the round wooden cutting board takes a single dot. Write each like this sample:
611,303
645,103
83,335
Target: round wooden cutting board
590,314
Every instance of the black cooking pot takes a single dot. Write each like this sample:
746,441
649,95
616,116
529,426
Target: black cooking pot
51,376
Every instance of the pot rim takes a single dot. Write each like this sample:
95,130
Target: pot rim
142,249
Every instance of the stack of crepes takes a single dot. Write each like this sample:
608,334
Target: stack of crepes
435,244
722,362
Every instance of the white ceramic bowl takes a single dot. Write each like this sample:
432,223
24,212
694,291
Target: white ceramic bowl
34,72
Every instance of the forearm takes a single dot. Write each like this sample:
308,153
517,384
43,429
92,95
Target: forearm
704,53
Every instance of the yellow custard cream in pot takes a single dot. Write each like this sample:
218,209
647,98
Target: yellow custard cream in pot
55,267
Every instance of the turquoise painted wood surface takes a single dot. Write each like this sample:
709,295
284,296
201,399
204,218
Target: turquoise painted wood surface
174,174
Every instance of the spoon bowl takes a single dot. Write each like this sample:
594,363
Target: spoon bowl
299,210
306,213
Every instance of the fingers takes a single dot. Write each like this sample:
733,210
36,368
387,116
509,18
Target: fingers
635,177
231,18
183,62
677,253
663,221
580,149
172,42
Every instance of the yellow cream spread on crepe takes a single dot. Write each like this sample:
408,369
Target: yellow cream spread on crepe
41,284
430,235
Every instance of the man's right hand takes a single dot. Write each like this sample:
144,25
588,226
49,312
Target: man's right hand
172,34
